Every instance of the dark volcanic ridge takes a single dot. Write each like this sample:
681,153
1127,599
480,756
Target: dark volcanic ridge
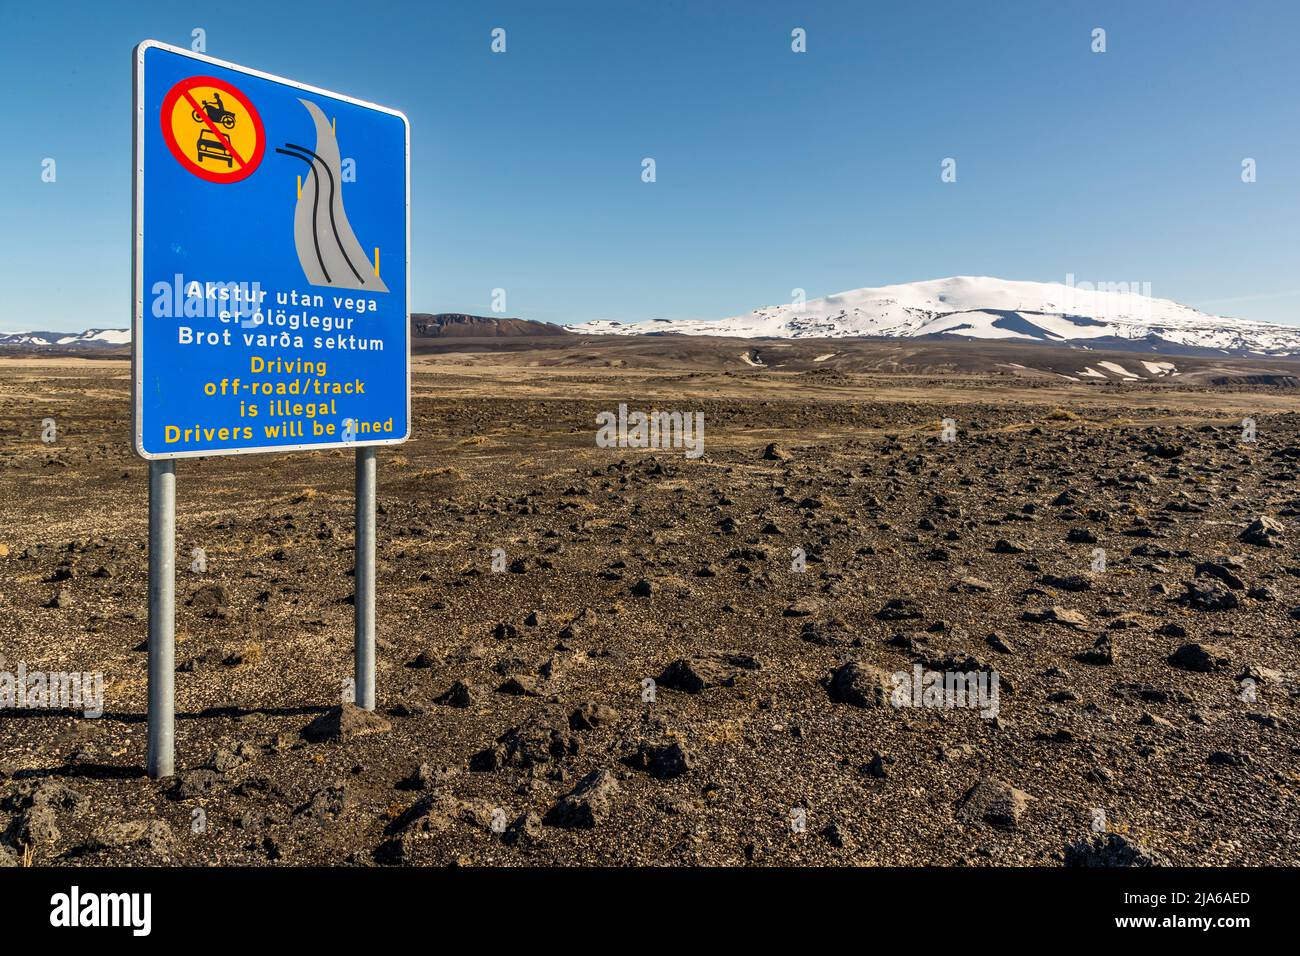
457,325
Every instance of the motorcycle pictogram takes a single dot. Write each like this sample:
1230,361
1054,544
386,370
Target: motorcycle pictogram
217,112
209,145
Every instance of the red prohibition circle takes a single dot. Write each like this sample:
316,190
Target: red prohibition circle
247,166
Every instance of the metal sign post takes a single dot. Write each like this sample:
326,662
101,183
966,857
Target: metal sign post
162,619
263,321
365,580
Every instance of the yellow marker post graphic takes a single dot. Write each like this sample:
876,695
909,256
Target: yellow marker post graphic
299,187
376,262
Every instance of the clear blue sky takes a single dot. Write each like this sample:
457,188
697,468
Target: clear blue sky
775,170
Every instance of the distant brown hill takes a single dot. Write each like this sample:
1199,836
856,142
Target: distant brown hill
456,325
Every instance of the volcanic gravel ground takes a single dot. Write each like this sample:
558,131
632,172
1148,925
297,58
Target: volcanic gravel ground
1153,702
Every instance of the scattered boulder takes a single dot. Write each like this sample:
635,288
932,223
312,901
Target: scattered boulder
156,835
1102,652
526,828
1056,615
1167,450
1111,849
426,777
1226,758
993,802
435,812
591,715
1071,582
520,685
832,633
328,803
773,452
226,759
212,599
899,609
860,685
36,826
1264,532
1000,643
538,742
1223,569
1208,596
877,766
803,608
663,761
1202,658
659,587
344,722
587,804
195,783
696,674
834,834
47,793
394,852
459,694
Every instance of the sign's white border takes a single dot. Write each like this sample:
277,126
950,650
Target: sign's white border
137,258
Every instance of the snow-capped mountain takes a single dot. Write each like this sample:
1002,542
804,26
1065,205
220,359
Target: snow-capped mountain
91,337
985,308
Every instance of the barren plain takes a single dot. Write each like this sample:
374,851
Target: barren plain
643,673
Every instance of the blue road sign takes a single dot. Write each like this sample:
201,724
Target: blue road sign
271,272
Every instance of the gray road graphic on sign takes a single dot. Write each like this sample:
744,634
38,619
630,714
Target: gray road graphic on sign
327,248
